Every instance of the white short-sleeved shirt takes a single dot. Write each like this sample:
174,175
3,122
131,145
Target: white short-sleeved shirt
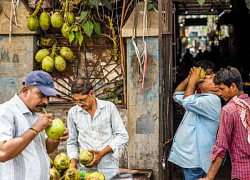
33,162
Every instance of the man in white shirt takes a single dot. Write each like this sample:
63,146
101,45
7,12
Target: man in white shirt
94,125
24,146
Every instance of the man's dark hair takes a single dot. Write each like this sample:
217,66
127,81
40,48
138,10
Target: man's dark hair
205,64
81,86
227,76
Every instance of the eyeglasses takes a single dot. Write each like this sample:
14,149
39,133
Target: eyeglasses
80,101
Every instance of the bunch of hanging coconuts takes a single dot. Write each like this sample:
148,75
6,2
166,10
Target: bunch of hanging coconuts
45,20
56,58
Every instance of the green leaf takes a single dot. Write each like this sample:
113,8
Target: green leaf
201,2
150,6
88,28
97,28
71,36
107,3
83,15
95,2
79,37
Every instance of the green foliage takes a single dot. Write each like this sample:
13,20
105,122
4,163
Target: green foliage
97,28
88,28
79,38
83,15
107,3
95,2
201,2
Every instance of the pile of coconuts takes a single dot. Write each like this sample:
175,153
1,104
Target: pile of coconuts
61,169
54,59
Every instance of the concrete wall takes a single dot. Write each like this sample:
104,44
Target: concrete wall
17,47
16,61
143,107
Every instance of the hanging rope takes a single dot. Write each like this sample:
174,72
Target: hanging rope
137,52
13,15
145,56
142,58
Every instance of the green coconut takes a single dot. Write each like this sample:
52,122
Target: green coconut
65,30
66,53
54,174
56,20
33,23
96,176
70,16
72,174
56,129
203,73
60,63
48,64
61,161
51,162
85,157
42,53
44,21
86,174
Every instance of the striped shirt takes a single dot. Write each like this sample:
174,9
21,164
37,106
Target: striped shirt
33,162
106,128
232,137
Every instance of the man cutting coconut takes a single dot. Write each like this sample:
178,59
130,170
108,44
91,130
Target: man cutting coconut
24,147
94,125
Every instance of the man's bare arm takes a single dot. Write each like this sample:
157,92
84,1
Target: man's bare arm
215,166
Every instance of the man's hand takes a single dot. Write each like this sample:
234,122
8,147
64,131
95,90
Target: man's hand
194,79
97,158
74,162
65,136
42,122
52,144
195,74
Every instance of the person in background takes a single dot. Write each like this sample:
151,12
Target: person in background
94,125
234,130
196,134
188,59
24,146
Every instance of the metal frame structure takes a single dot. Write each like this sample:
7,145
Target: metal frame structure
166,50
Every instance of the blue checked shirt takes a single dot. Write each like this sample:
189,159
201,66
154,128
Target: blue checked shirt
106,128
